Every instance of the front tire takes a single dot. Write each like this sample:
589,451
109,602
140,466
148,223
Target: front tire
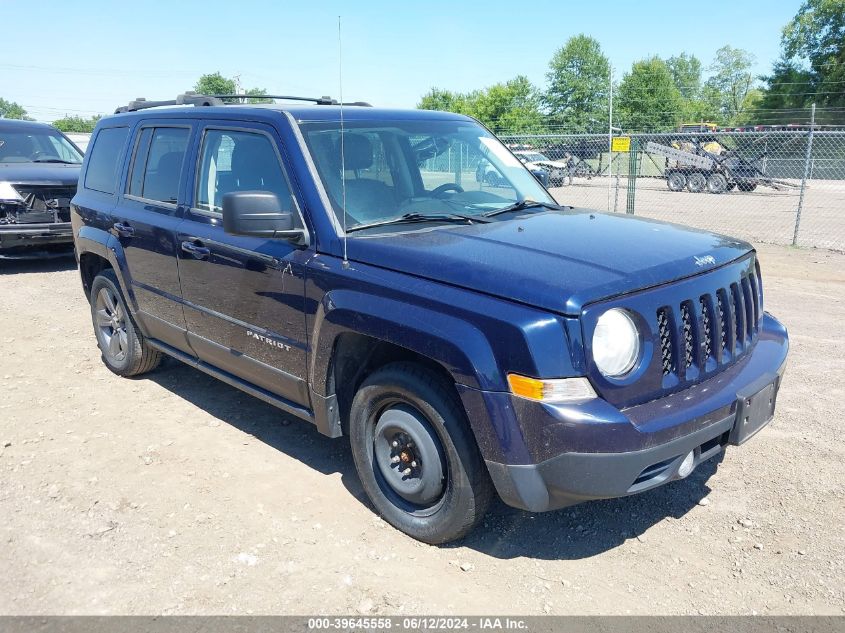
676,181
124,349
415,454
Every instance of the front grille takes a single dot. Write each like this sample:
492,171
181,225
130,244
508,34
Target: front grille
711,331
689,339
665,341
706,329
40,204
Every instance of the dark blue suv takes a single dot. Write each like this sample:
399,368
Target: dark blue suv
344,264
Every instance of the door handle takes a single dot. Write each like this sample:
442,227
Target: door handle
123,230
200,252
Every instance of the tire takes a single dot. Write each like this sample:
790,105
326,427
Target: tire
696,182
123,348
492,179
746,186
405,416
676,181
717,183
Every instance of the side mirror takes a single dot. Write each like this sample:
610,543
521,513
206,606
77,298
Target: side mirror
259,214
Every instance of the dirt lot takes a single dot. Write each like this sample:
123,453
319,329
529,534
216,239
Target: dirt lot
764,215
177,494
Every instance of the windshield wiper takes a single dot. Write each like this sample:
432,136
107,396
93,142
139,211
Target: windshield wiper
523,204
416,218
56,160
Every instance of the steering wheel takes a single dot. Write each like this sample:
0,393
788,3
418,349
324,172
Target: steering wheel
449,186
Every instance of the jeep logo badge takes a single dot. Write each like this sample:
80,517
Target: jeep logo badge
703,261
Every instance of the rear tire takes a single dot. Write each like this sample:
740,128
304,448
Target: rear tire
747,186
717,183
123,348
696,182
415,454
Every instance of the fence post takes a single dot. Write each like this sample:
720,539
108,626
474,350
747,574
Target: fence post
807,160
616,196
633,155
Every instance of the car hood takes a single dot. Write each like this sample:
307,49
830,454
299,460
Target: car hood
549,163
57,174
557,260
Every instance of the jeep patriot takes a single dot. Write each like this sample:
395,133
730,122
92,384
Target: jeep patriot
344,264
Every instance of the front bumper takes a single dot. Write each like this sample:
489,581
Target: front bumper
27,240
574,453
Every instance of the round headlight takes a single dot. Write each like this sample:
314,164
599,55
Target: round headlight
616,343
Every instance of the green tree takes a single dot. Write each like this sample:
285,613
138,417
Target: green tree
445,101
578,84
811,68
686,73
648,98
513,106
76,124
255,96
731,81
749,112
788,89
217,84
12,110
699,103
817,35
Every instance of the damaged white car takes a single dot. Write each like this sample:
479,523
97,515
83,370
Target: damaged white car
558,170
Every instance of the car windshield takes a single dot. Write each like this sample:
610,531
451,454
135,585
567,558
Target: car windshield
532,157
37,146
397,168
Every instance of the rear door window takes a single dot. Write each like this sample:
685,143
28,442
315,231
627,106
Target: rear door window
106,155
157,166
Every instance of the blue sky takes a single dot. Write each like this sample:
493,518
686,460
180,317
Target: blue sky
89,56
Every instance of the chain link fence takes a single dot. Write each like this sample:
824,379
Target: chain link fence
775,186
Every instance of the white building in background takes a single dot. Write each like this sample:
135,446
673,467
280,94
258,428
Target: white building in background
80,139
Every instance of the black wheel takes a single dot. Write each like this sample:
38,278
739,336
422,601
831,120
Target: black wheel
416,455
696,182
676,181
492,179
124,350
747,186
717,183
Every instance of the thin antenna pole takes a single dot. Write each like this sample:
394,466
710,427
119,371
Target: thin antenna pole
610,138
342,152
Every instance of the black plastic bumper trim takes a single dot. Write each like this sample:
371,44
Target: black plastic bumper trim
571,478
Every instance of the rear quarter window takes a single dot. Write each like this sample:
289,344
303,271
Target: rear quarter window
106,154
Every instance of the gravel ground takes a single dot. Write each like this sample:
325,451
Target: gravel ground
175,493
764,215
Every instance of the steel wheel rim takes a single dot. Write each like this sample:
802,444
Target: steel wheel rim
696,182
110,320
408,459
677,182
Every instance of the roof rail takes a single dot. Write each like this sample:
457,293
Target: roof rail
194,99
